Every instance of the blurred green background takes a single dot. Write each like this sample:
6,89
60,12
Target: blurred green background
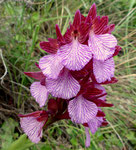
23,24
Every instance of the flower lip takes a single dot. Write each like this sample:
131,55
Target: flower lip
103,70
51,65
81,110
39,92
75,55
33,123
65,86
102,46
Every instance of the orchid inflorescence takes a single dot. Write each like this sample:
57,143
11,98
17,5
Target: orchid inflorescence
79,62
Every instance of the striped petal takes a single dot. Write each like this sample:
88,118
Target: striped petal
51,66
39,92
32,128
75,55
103,70
95,123
102,46
81,110
65,86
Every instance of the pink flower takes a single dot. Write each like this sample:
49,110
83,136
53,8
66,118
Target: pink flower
39,92
81,109
101,42
38,89
74,53
33,123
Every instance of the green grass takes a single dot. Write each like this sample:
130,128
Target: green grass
23,25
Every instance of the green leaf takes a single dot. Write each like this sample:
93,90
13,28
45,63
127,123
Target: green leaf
21,144
46,147
74,141
7,134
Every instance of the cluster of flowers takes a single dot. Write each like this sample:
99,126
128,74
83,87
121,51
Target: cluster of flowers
79,62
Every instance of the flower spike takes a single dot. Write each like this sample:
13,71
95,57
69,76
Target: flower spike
72,74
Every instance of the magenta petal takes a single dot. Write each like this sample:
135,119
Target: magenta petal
87,142
81,110
75,55
32,128
37,65
59,35
49,47
103,70
51,66
65,86
92,12
99,121
77,19
39,92
35,75
99,29
111,28
95,123
102,46
98,86
117,50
